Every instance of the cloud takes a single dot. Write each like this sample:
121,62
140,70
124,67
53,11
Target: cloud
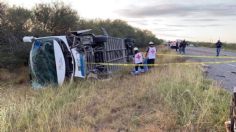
167,29
176,36
201,19
181,10
144,23
194,25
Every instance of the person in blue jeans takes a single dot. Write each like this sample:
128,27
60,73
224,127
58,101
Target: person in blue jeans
138,61
183,46
218,47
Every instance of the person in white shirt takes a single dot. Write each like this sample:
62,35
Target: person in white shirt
138,60
151,54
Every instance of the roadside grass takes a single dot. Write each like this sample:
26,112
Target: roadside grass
198,103
167,98
20,75
231,46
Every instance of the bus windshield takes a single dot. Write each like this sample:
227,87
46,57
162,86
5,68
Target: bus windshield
42,63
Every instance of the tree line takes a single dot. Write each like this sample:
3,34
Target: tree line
54,19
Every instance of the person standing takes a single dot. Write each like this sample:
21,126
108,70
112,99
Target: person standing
181,47
218,47
177,46
151,54
138,60
184,45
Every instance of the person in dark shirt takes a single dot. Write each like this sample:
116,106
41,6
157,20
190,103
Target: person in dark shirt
218,47
177,46
184,45
181,47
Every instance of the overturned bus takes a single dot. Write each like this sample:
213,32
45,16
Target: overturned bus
55,59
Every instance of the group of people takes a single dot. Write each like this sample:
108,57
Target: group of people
181,46
178,45
143,64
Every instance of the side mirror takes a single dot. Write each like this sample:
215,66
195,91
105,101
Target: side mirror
28,39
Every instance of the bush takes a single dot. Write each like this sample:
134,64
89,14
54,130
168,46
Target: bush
53,19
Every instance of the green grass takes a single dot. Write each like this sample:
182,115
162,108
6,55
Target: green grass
168,98
197,102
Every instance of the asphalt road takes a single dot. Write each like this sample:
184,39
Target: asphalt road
225,74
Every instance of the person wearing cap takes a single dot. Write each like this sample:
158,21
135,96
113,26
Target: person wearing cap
138,60
151,54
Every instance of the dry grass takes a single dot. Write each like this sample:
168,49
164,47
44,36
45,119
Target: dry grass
19,76
170,98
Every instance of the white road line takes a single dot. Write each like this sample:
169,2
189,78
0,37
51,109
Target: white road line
231,65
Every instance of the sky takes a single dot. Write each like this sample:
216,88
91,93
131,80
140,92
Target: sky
195,20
